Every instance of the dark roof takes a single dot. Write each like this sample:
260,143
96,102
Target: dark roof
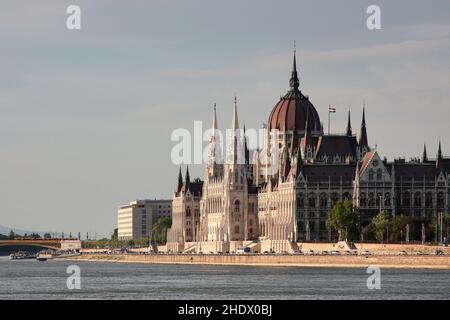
291,111
194,187
334,172
341,145
409,170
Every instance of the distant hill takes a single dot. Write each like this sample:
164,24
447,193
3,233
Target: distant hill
5,231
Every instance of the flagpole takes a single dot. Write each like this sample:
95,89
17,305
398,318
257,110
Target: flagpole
329,120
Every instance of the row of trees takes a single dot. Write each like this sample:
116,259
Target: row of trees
159,236
12,235
383,227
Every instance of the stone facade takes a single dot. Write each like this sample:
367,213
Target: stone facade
273,205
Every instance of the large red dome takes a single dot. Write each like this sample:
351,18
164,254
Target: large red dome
293,109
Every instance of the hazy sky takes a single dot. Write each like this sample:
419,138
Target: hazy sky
86,116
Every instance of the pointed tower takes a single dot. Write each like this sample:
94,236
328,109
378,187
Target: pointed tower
294,83
188,178
180,181
424,154
349,125
298,162
235,152
439,158
363,144
306,143
214,152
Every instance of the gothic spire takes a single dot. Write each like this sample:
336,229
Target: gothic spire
349,125
188,178
214,120
424,155
439,158
307,137
235,122
180,181
299,162
363,134
439,154
294,82
214,155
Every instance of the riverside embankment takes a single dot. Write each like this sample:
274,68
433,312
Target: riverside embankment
342,261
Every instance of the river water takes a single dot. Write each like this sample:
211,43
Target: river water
30,279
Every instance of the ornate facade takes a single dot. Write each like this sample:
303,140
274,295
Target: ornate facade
273,205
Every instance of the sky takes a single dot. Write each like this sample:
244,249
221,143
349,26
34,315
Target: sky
86,115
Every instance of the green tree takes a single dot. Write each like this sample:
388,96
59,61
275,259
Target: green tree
159,230
435,227
380,224
398,227
369,232
115,235
11,235
343,218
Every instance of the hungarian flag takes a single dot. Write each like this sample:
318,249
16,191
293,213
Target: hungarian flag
331,109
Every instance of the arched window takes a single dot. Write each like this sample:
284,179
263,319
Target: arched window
429,200
188,212
334,198
440,199
323,200
406,199
417,199
312,200
362,199
300,201
371,174
236,229
237,206
387,199
371,199
379,174
378,199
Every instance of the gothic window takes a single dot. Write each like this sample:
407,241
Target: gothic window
236,229
188,212
237,206
371,174
312,200
250,222
196,212
371,199
387,199
323,200
429,200
379,174
417,199
362,199
440,199
378,199
406,199
334,198
300,201
398,199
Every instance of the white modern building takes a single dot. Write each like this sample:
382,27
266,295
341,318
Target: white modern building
135,220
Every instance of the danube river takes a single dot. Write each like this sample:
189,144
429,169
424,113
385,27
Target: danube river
30,279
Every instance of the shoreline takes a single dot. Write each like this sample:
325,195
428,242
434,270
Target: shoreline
391,262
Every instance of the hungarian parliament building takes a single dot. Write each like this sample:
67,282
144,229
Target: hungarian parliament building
272,205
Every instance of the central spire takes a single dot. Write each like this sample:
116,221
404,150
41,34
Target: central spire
235,122
294,83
